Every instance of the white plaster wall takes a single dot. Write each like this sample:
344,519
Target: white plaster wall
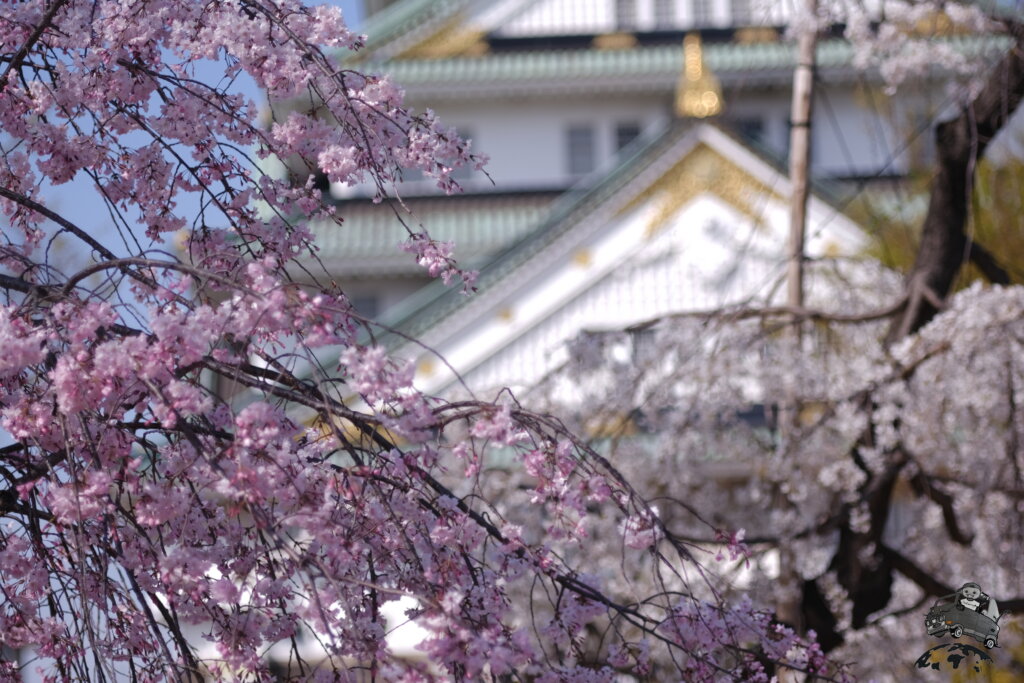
772,107
560,17
852,134
567,17
856,134
526,138
692,264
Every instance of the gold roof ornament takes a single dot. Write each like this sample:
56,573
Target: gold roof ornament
698,94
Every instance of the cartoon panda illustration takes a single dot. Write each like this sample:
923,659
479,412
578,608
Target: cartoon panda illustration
969,611
968,596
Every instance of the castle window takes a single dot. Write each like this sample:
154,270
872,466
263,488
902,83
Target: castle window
625,15
742,13
626,133
750,127
366,305
582,157
703,12
665,14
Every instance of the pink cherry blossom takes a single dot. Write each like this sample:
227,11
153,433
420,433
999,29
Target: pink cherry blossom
212,458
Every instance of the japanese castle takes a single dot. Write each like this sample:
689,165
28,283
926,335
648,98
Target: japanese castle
637,153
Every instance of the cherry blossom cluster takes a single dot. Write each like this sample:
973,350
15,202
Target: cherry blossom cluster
838,452
436,257
904,39
209,461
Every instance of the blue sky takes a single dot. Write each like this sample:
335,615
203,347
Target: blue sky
353,11
78,200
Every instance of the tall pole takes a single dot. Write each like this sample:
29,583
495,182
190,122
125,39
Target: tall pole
789,607
800,151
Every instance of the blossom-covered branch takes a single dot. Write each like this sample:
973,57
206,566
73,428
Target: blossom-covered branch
191,486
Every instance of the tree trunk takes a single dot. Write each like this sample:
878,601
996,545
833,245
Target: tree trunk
945,245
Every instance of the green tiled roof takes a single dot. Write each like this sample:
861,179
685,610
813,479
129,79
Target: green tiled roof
644,64
368,240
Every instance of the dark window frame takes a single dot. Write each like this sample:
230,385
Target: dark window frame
581,149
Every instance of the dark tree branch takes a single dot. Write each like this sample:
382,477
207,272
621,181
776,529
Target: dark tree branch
933,586
944,249
44,23
923,486
18,284
988,265
33,205
909,569
960,143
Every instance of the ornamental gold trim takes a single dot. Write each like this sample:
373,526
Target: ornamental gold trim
614,41
583,258
756,35
703,170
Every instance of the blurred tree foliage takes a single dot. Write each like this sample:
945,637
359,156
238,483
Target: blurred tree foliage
892,216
